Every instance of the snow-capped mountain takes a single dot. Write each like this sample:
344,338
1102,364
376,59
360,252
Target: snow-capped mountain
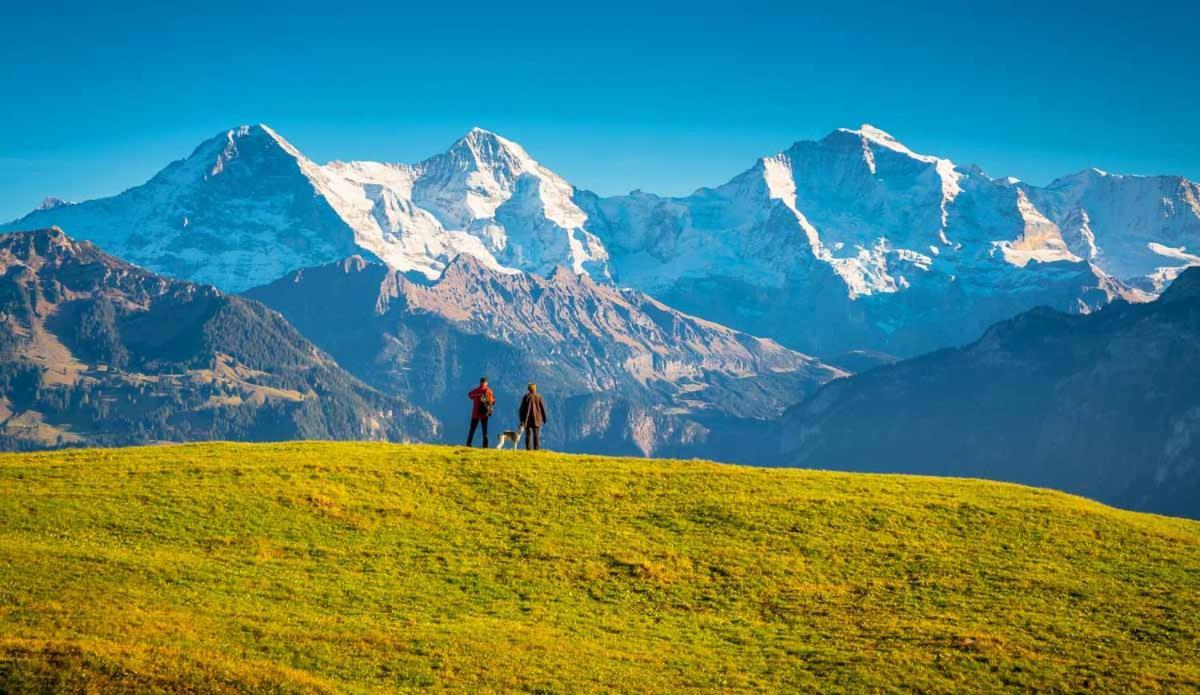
622,372
1139,229
856,241
240,209
850,242
485,196
247,207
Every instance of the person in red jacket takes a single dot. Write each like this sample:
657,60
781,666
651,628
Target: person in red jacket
483,401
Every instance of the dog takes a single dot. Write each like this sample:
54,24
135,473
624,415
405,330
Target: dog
510,436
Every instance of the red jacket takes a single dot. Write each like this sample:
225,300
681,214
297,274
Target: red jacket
479,410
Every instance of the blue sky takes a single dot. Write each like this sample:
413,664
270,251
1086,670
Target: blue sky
613,95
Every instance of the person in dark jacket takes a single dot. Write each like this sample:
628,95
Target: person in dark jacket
533,416
482,403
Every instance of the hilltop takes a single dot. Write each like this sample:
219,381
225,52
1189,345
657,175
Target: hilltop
357,567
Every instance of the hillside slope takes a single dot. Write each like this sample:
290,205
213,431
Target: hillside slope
96,351
1105,405
372,567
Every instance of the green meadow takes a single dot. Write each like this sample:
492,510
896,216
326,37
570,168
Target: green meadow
323,567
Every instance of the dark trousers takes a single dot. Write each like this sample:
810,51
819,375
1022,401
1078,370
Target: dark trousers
534,435
475,422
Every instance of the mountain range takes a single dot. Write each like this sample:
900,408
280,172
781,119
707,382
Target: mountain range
622,372
662,326
95,351
851,242
1105,405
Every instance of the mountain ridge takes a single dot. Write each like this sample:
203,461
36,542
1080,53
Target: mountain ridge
850,242
622,372
96,351
1105,405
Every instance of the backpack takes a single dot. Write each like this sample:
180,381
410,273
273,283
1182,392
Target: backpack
488,402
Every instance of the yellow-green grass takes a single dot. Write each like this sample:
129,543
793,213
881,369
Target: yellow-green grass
365,567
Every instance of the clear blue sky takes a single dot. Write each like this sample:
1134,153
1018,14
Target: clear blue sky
614,96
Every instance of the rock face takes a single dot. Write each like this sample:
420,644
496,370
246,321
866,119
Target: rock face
95,351
852,242
1105,405
621,372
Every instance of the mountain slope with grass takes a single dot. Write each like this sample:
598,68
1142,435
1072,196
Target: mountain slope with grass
95,351
370,567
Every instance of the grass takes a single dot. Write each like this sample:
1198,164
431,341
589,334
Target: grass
313,567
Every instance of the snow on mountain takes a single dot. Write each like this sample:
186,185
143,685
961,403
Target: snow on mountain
1143,230
853,241
241,209
485,196
51,202
247,206
856,241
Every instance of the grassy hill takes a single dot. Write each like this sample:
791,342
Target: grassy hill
361,567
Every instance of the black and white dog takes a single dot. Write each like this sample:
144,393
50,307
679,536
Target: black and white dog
510,436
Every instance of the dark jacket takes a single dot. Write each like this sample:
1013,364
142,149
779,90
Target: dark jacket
533,410
479,410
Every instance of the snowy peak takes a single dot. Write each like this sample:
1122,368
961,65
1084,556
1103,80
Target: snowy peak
244,207
247,147
872,138
1089,176
483,150
51,202
877,136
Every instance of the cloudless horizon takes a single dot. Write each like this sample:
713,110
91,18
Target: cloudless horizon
614,97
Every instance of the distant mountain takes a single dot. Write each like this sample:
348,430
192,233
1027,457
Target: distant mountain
621,371
241,210
1105,405
852,242
246,207
95,351
857,242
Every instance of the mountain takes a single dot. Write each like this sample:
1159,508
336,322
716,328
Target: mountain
857,242
621,372
485,196
851,242
95,351
1105,405
246,207
241,209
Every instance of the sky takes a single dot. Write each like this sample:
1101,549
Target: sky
614,96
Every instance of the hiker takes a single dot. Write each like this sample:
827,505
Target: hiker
483,401
533,416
